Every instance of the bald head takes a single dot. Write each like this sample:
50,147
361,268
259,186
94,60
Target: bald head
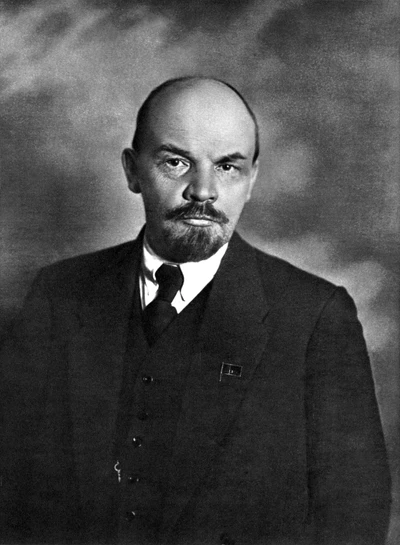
206,94
194,161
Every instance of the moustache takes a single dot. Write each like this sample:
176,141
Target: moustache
197,210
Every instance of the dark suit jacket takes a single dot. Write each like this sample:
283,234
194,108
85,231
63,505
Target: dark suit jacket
289,452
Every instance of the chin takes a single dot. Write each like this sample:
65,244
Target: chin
194,243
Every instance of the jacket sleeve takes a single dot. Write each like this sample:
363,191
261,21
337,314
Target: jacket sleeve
25,357
349,481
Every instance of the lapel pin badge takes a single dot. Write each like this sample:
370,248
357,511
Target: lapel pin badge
230,370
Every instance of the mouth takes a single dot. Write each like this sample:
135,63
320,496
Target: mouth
199,220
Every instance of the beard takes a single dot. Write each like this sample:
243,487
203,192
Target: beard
186,242
193,243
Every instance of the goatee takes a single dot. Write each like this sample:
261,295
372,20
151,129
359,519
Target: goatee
187,242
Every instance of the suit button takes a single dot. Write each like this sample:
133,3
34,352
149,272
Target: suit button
130,515
147,379
137,441
134,479
143,415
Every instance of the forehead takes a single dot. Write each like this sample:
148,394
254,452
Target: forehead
208,117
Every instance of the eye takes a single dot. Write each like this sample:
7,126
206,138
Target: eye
174,162
174,166
228,167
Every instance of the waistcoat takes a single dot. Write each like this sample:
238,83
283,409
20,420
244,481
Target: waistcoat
149,409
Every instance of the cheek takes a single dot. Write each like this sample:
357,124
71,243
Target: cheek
234,200
159,198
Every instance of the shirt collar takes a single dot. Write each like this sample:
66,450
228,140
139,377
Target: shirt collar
196,274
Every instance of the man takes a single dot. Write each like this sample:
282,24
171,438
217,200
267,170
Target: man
186,388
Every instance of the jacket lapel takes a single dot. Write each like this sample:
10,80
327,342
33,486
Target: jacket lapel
234,333
96,355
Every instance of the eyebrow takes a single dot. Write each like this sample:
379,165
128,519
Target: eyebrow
232,157
179,151
173,149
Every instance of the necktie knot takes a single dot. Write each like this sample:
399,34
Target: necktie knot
170,281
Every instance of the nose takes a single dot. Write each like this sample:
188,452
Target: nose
201,187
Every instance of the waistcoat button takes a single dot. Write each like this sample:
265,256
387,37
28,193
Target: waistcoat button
137,441
130,515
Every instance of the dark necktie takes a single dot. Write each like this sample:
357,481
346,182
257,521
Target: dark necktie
160,313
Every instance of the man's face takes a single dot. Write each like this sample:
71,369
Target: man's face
194,170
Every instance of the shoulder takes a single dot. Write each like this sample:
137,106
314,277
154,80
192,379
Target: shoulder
284,285
304,297
99,259
308,294
281,276
81,271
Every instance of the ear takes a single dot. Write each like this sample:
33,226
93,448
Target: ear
253,178
130,163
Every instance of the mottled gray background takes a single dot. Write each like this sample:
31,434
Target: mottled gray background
323,77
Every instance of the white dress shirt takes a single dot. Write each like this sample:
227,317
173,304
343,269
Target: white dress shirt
196,275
